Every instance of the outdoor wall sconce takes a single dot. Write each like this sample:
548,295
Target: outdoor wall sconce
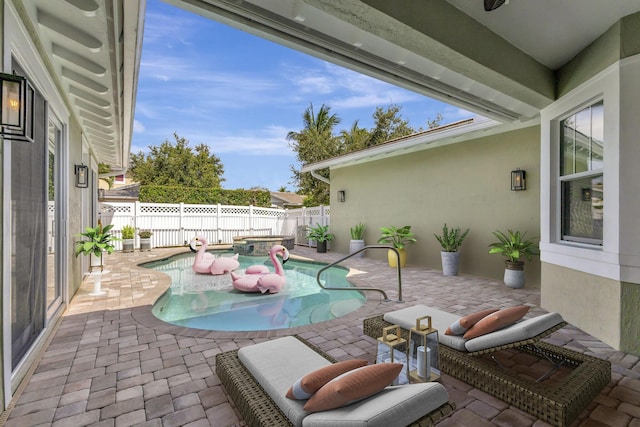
341,195
16,108
586,194
82,176
518,180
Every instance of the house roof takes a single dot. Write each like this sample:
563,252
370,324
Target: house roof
501,64
92,50
463,130
504,64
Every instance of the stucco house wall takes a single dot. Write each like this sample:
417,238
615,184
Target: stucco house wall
465,185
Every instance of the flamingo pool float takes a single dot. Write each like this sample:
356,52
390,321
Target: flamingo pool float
207,263
263,282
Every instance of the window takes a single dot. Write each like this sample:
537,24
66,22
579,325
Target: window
581,175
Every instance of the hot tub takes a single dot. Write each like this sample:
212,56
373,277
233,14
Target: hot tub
260,245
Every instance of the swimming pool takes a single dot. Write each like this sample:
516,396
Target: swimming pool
209,302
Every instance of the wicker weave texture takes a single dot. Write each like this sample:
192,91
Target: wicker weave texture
259,410
558,405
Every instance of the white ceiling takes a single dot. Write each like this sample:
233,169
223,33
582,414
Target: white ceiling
93,51
551,31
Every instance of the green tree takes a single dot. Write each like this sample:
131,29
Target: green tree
434,123
178,165
355,138
388,125
315,142
104,168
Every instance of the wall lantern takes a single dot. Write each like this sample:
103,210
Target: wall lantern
341,195
518,180
16,108
82,176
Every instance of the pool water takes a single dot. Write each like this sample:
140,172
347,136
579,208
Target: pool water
204,301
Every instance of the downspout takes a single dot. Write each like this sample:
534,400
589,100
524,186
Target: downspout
320,177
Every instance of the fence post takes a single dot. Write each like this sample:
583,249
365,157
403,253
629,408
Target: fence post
251,220
217,228
136,217
181,224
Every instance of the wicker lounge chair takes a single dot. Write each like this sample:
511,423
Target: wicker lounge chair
259,409
558,404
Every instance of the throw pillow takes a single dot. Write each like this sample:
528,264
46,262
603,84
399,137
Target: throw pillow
304,387
353,386
462,325
497,320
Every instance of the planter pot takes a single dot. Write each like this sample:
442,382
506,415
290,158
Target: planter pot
145,243
514,274
95,263
393,258
127,245
321,247
450,263
355,245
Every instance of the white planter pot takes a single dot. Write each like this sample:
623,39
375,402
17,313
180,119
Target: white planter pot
450,263
145,243
355,245
128,245
514,274
96,263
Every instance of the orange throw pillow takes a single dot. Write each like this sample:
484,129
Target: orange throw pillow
310,383
497,320
353,386
463,324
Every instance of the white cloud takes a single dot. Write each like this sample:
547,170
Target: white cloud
138,127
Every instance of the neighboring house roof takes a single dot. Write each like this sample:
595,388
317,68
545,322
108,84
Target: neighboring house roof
286,199
125,193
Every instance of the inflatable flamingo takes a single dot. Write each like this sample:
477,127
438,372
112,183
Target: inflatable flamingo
264,282
206,263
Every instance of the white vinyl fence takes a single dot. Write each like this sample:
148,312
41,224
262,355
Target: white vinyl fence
176,224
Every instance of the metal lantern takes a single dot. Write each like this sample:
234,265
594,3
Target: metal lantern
16,108
392,349
422,352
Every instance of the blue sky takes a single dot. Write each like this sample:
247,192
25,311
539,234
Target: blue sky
241,95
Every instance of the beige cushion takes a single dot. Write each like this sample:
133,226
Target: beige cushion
264,361
462,325
440,320
353,386
527,328
305,386
497,320
393,406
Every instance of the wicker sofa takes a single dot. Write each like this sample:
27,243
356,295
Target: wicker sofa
258,376
557,404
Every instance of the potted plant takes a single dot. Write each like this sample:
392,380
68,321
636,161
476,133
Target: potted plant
97,241
128,235
514,246
451,239
398,237
320,233
357,239
145,239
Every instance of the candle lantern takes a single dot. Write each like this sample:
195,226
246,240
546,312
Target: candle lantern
392,349
422,352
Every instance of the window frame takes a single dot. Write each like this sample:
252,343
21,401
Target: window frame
575,176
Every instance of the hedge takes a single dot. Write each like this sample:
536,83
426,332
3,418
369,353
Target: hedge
204,196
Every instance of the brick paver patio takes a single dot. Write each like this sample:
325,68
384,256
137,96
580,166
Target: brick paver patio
111,363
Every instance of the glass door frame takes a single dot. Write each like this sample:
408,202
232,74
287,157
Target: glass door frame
60,217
